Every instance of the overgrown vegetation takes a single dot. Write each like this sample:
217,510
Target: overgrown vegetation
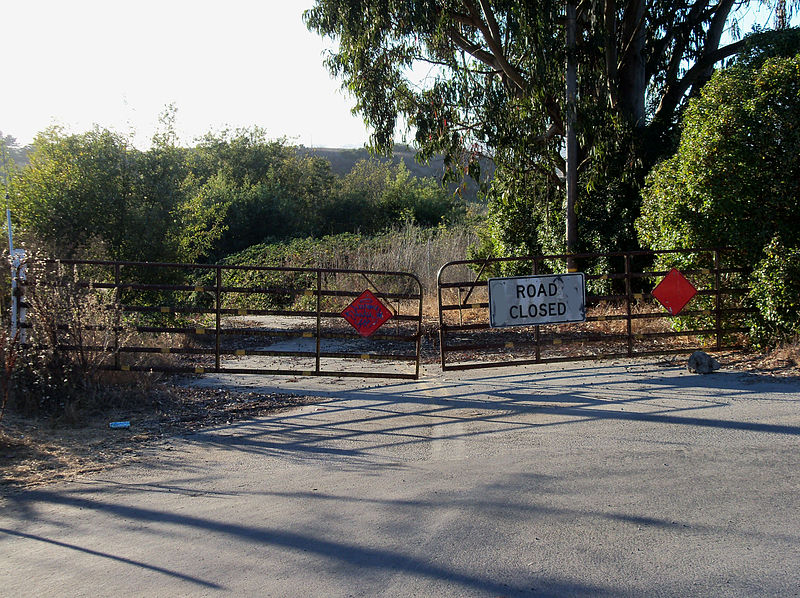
228,192
775,292
735,182
234,197
70,337
496,87
409,248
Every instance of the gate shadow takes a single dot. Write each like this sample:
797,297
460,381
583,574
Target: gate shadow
410,413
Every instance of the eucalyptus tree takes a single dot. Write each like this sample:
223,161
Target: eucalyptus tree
474,78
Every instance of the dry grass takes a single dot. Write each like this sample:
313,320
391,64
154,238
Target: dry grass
787,354
416,250
782,361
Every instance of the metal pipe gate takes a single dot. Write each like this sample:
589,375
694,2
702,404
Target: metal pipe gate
200,318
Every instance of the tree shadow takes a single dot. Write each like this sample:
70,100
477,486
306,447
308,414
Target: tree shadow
505,499
348,553
119,559
362,429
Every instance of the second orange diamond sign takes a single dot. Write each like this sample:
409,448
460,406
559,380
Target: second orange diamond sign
674,292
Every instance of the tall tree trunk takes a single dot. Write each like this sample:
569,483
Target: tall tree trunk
632,79
572,142
611,55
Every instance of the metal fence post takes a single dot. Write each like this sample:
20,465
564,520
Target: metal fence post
442,331
117,317
218,294
718,289
536,331
319,318
16,299
628,302
418,346
460,311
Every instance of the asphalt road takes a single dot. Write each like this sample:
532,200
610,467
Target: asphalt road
625,478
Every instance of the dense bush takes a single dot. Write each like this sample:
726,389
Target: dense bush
375,195
735,179
735,182
79,187
775,292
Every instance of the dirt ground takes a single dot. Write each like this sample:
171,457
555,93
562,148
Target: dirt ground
38,451
41,451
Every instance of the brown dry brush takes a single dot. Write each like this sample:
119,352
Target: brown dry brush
8,349
413,249
70,336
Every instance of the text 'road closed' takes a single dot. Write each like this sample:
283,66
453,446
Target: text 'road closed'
530,300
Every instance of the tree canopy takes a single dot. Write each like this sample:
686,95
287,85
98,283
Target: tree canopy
485,77
493,58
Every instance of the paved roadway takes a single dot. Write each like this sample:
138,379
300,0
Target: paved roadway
626,478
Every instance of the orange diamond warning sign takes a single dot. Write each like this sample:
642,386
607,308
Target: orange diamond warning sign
674,292
366,314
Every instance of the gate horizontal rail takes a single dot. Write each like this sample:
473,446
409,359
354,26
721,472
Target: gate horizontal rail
623,318
193,315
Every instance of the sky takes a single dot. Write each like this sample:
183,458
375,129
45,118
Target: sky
227,64
230,64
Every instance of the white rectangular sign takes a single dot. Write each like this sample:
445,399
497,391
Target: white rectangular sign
529,300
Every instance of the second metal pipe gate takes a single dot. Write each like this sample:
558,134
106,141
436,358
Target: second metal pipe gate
623,318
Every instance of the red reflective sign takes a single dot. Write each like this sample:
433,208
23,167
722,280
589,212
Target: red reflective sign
366,314
674,292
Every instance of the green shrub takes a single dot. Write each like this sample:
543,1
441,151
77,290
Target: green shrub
775,292
735,179
734,182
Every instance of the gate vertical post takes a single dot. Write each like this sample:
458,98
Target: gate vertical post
628,302
718,308
117,322
419,329
442,333
319,318
536,333
218,295
17,296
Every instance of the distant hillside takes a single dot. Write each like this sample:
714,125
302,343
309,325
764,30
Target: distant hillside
343,160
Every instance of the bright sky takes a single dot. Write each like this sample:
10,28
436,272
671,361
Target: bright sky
232,64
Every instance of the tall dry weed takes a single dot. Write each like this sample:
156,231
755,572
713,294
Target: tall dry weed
416,250
70,335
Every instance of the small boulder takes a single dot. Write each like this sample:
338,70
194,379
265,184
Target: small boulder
702,363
